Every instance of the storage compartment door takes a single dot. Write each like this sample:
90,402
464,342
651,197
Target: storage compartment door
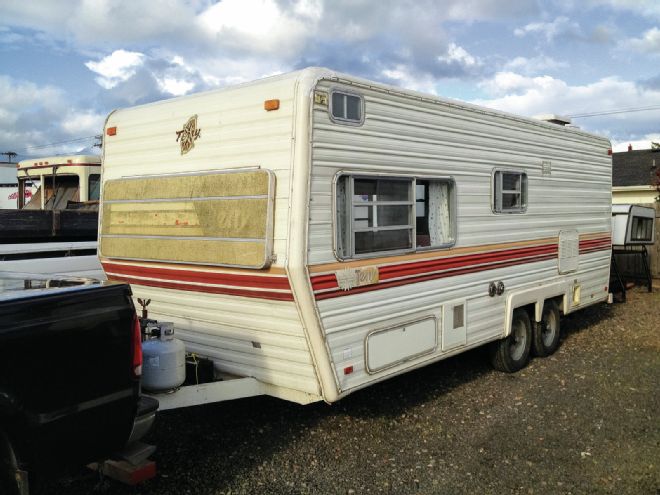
392,346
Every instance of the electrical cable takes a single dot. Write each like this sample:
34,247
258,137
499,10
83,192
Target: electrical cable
613,112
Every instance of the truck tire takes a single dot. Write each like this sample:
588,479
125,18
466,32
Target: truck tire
512,353
547,331
8,465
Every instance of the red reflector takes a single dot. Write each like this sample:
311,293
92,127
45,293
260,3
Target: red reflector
111,131
609,152
348,370
137,348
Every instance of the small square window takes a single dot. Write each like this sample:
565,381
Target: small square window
346,108
509,192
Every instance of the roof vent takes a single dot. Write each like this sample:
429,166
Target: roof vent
554,119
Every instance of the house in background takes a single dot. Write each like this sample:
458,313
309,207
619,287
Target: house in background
634,175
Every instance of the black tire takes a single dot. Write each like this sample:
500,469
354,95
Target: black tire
512,353
547,331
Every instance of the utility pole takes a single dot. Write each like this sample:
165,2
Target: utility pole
9,154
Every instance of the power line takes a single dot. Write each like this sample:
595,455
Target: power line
613,112
41,146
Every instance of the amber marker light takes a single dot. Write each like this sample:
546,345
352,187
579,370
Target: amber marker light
270,105
111,131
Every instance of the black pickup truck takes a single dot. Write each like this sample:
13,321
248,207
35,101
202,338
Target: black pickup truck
70,366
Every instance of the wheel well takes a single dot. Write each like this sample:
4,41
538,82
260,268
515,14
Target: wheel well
560,303
529,309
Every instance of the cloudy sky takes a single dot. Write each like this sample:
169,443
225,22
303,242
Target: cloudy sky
66,64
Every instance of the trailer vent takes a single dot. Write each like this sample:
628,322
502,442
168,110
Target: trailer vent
554,119
569,251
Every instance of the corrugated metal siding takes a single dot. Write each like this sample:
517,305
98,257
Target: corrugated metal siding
407,135
245,336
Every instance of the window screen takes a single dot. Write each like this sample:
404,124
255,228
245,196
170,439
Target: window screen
346,107
510,192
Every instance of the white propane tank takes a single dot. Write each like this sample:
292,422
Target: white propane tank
163,360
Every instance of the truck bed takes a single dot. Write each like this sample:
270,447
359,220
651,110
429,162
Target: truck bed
67,392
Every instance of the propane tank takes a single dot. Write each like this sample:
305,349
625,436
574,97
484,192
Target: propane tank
164,359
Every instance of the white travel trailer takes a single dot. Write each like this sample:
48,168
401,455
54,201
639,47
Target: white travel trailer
317,233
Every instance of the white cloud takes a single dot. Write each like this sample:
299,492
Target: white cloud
534,65
643,8
77,122
117,67
34,115
504,84
530,96
638,144
400,76
175,87
648,43
561,26
261,26
458,54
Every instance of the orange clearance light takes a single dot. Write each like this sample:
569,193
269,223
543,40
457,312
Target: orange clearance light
111,131
270,105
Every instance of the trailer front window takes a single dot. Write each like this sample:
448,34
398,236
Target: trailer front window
346,108
381,214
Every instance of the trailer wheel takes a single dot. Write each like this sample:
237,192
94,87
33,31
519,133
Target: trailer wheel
512,353
547,331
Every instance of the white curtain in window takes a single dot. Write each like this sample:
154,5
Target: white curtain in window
439,225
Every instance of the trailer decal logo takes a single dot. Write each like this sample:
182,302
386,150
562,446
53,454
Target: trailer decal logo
357,277
188,135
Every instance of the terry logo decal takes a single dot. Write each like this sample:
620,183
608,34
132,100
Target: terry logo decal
188,135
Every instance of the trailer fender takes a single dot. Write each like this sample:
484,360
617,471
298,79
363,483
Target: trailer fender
534,295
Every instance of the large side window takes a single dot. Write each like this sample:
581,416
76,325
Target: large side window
509,192
381,214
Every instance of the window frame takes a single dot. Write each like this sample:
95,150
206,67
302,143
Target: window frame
340,120
496,199
413,200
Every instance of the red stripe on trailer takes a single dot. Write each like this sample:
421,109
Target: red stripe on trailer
408,270
432,276
277,296
204,277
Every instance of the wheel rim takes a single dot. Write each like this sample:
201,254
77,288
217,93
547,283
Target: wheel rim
518,340
549,329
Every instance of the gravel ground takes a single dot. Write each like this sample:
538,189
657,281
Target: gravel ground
585,420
